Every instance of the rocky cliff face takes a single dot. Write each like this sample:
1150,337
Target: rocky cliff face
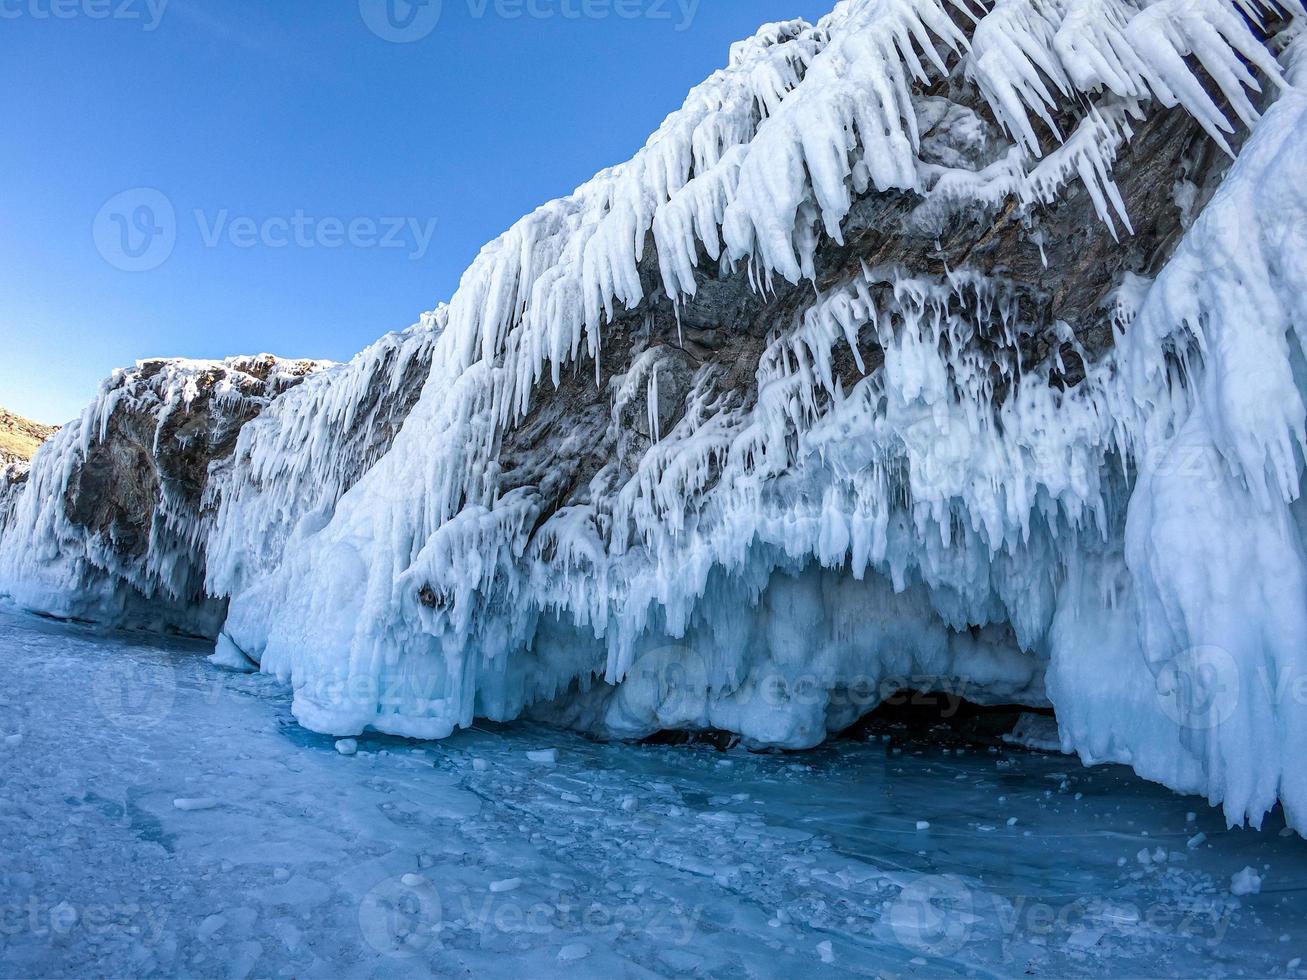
119,497
908,353
184,478
20,437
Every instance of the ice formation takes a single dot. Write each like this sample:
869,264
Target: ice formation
109,523
291,465
926,342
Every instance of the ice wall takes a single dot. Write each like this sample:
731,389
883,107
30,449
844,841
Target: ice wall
948,505
293,463
926,342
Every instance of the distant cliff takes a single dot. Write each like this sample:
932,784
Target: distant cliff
19,437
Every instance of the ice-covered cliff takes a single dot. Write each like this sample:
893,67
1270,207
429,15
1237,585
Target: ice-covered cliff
931,343
109,524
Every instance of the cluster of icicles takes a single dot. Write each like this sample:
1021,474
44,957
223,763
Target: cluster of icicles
1037,544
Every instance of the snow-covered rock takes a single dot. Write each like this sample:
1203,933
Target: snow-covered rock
914,347
1245,882
110,523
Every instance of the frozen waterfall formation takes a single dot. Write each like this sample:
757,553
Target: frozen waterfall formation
934,343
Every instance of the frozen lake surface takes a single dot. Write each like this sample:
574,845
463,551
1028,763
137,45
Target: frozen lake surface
160,816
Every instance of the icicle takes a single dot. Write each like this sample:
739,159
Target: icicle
655,432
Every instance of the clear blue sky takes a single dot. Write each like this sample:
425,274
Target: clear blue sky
262,111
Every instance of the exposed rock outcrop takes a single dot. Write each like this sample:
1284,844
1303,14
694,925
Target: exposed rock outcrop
20,437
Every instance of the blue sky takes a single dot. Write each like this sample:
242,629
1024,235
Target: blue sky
347,160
